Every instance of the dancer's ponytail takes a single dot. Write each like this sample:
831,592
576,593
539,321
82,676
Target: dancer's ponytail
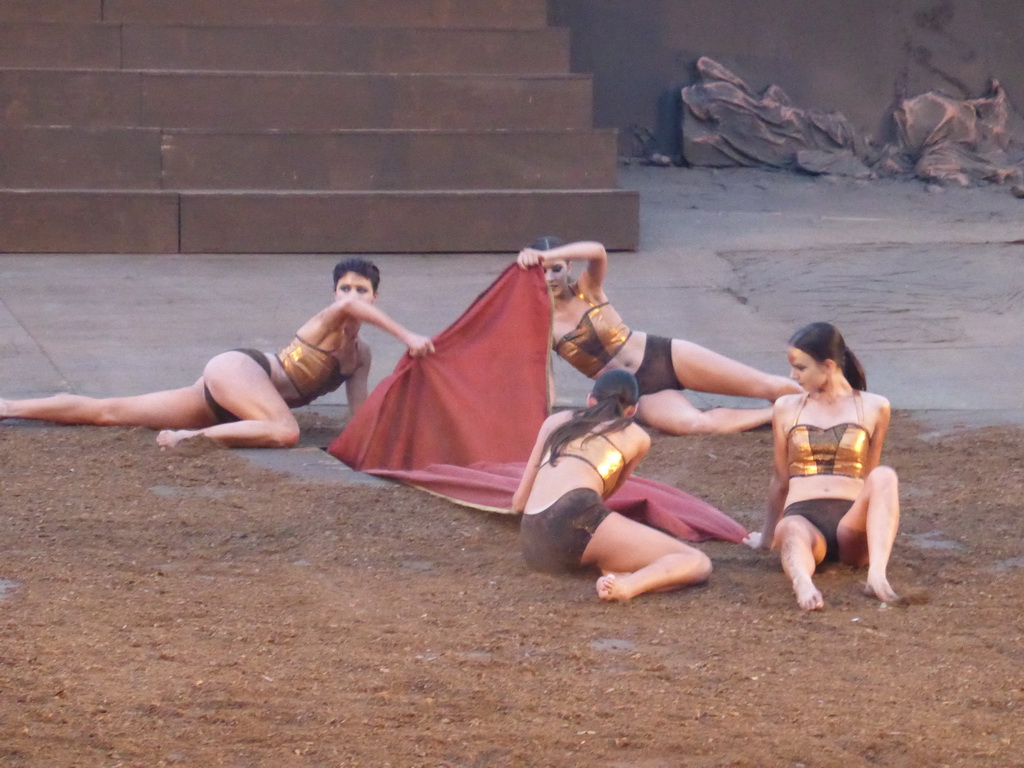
854,371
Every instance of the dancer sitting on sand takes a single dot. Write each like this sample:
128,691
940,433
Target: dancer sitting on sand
244,397
579,459
590,336
829,499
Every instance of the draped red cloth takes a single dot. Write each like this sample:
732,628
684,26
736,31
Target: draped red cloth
460,423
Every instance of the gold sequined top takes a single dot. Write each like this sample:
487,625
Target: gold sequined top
595,340
603,456
841,449
313,371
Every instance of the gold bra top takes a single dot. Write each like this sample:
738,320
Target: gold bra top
841,449
595,340
603,456
312,371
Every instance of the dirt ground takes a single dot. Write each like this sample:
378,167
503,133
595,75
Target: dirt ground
189,608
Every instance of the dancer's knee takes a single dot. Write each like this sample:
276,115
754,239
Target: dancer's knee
794,531
699,566
884,478
784,529
284,435
661,412
698,424
686,423
105,413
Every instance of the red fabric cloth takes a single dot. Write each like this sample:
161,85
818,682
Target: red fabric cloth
461,422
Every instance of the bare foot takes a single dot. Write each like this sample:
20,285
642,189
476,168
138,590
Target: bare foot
879,587
784,386
807,595
610,588
169,438
4,410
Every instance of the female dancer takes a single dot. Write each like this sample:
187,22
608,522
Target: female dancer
244,397
834,500
590,336
579,459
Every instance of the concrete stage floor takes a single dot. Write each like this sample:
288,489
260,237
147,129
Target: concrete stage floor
926,284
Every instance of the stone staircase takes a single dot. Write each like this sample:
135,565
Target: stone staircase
297,126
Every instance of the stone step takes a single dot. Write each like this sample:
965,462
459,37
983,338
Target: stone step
81,11
136,159
283,49
74,158
88,222
292,101
297,126
310,222
59,46
493,14
483,14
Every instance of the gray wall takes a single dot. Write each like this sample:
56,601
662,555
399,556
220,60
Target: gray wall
854,56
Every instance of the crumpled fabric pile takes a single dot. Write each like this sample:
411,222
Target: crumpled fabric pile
939,138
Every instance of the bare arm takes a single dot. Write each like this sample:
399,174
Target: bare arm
594,253
552,394
878,434
357,385
334,317
779,485
522,494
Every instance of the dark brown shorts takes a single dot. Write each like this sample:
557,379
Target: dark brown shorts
220,413
823,514
554,539
656,371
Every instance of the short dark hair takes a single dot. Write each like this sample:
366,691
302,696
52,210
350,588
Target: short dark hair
360,266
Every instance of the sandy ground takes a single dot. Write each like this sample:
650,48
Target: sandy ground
190,608
202,608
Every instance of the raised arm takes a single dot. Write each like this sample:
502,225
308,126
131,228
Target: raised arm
335,316
594,253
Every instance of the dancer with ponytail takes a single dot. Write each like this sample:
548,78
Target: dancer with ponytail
581,458
829,498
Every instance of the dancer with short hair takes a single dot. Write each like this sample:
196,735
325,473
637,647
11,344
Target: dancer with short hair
244,397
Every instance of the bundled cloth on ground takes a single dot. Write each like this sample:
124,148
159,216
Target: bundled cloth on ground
958,141
460,423
725,123
939,138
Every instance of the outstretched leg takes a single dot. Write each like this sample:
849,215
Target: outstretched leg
705,371
867,532
671,412
240,385
802,548
635,558
171,409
